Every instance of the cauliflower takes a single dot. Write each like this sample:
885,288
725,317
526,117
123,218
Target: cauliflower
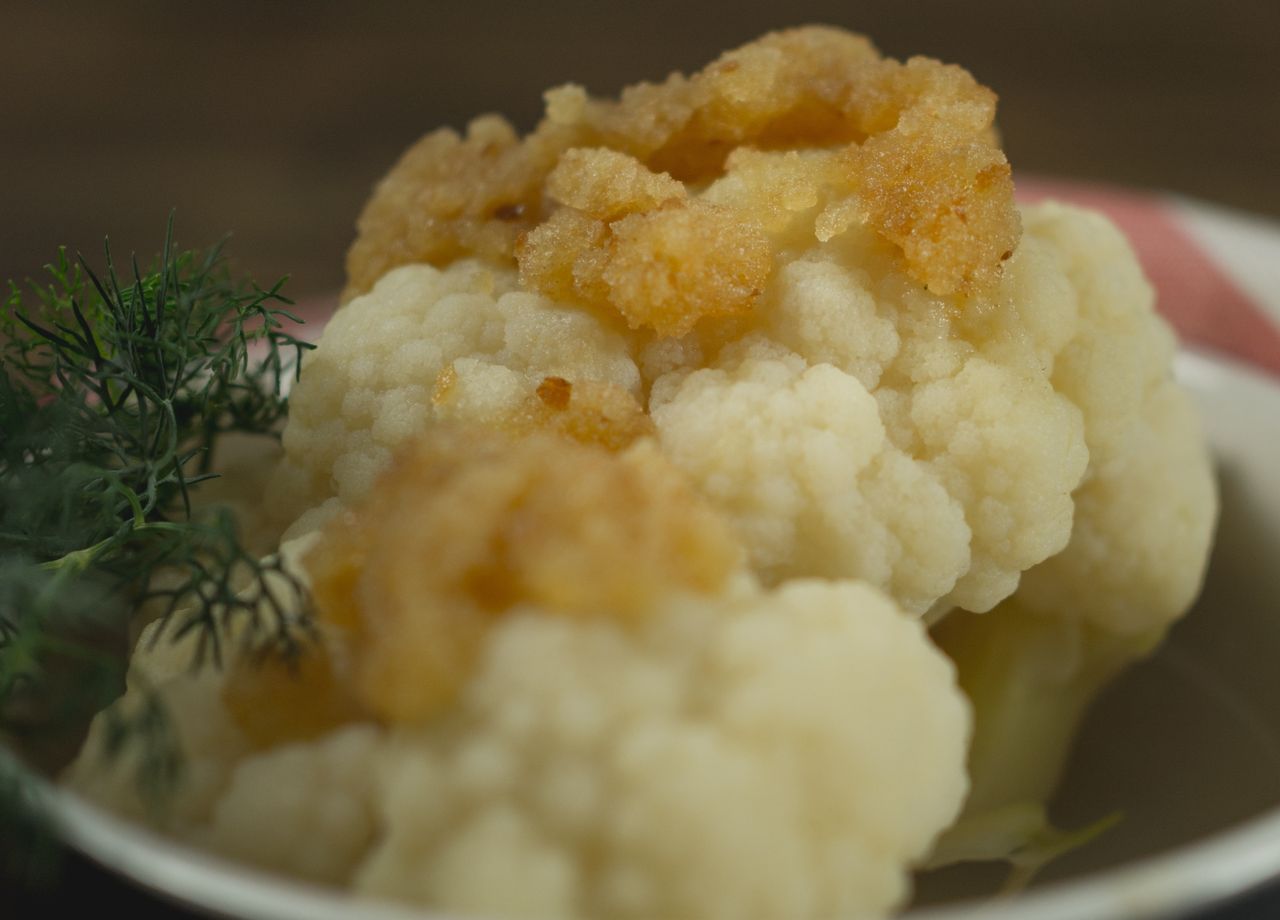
938,464
1144,518
626,722
853,414
303,809
207,736
859,397
666,476
855,426
767,754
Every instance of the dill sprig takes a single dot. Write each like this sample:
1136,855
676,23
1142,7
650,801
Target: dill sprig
115,389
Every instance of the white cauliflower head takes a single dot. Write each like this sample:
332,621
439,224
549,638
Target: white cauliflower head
783,326
1145,511
802,270
626,724
765,755
1143,522
938,464
603,405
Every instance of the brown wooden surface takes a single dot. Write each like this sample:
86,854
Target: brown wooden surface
273,119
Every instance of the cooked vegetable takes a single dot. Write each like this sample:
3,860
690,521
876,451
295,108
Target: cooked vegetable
575,703
632,475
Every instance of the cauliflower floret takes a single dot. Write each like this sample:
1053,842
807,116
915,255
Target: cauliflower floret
849,345
798,458
204,734
1143,521
302,809
188,708
635,727
1145,512
761,755
622,247
425,346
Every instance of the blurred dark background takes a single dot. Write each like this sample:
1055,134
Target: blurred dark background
273,120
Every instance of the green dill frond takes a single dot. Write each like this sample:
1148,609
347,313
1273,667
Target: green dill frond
144,734
116,385
214,588
138,380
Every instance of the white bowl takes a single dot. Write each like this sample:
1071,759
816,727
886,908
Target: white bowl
1187,744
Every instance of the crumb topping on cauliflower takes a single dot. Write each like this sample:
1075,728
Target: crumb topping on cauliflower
470,525
636,728
597,196
854,425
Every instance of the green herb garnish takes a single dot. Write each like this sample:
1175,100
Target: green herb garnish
114,392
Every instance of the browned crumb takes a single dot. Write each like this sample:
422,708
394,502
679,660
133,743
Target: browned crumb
589,412
630,238
670,268
607,185
306,698
470,524
449,197
565,257
596,203
555,393
663,270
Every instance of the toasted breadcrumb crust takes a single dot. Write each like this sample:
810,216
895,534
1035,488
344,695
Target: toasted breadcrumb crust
469,525
598,204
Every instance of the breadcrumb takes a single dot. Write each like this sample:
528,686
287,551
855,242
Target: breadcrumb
906,149
469,525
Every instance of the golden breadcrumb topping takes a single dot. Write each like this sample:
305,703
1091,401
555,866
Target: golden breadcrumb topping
469,525
599,204
307,695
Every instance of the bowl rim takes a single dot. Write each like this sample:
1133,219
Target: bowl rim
1168,885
